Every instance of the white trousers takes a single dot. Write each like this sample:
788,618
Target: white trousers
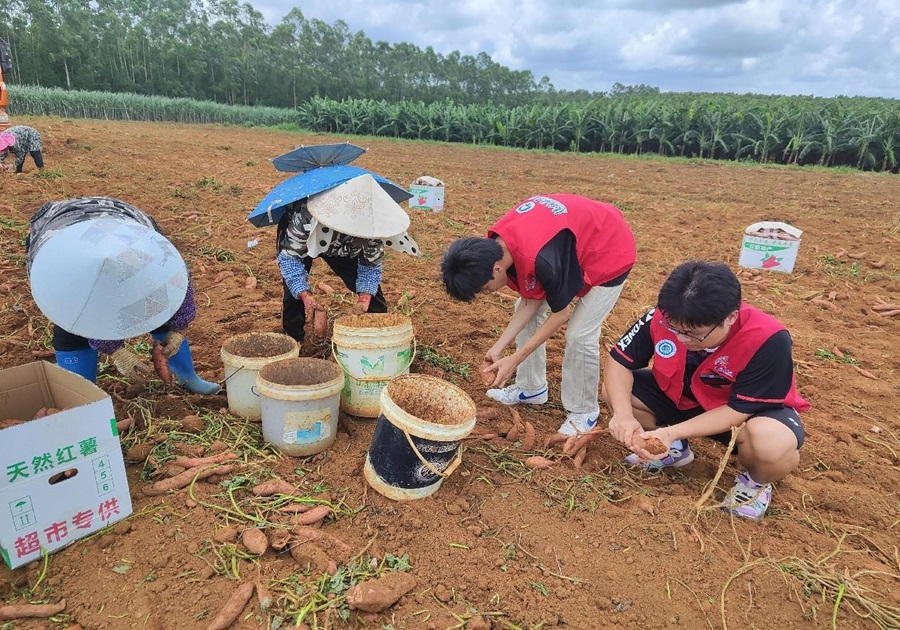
581,361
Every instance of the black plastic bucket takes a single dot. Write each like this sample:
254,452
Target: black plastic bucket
416,443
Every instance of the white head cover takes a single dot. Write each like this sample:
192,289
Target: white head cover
359,207
108,278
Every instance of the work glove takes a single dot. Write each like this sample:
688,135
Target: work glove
362,303
172,343
130,365
310,303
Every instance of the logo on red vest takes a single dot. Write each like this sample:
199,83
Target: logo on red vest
721,366
666,349
530,282
525,207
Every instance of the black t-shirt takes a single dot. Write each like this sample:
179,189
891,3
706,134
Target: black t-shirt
768,375
559,273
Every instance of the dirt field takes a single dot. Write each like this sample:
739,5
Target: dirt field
498,545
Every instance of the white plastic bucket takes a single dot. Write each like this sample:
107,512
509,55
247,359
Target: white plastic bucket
243,357
300,399
372,349
417,441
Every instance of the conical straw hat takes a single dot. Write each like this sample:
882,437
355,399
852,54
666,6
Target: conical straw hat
108,278
359,207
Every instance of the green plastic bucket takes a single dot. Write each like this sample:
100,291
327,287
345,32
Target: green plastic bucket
372,349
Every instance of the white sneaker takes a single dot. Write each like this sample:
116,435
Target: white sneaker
515,395
579,423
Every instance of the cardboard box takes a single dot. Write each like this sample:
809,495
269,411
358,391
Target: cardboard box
768,252
427,194
44,505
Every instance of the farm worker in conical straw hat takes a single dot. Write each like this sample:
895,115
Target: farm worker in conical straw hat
102,272
348,227
552,250
21,141
718,363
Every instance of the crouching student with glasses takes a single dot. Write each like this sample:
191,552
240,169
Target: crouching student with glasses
717,363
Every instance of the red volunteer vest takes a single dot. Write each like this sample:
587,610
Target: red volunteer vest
750,331
604,243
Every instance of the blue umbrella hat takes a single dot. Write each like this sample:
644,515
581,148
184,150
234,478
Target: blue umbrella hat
304,158
270,210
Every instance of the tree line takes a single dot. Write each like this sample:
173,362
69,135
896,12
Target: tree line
224,51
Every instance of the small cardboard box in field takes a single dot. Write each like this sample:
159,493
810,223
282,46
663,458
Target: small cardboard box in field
427,194
63,476
770,245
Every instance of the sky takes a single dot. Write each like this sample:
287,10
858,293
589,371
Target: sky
817,47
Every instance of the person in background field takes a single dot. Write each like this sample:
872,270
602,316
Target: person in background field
550,249
347,227
717,363
21,141
102,272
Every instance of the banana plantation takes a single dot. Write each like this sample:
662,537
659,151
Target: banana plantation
861,133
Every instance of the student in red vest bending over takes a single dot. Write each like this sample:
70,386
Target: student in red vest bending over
717,363
551,250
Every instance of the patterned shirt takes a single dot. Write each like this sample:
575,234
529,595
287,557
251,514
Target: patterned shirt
293,240
27,140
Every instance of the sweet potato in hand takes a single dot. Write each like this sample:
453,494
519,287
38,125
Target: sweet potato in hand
161,364
320,323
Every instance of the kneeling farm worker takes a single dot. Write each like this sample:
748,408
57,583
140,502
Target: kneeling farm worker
717,363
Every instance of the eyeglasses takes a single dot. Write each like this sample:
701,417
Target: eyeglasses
684,333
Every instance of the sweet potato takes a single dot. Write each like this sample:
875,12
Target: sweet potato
486,413
569,446
43,354
866,373
579,457
655,447
586,438
320,323
222,275
11,422
161,364
513,434
250,283
40,413
273,486
255,541
184,479
313,515
327,289
555,439
528,440
31,611
193,462
296,508
487,377
308,534
264,597
536,462
232,608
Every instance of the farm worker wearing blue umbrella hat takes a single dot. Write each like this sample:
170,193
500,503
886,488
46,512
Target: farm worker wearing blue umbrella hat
348,227
102,272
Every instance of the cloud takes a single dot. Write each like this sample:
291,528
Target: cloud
823,47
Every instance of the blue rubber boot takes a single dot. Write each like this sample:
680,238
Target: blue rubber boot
81,362
182,365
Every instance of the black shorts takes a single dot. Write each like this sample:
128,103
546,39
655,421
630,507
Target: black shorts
667,412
